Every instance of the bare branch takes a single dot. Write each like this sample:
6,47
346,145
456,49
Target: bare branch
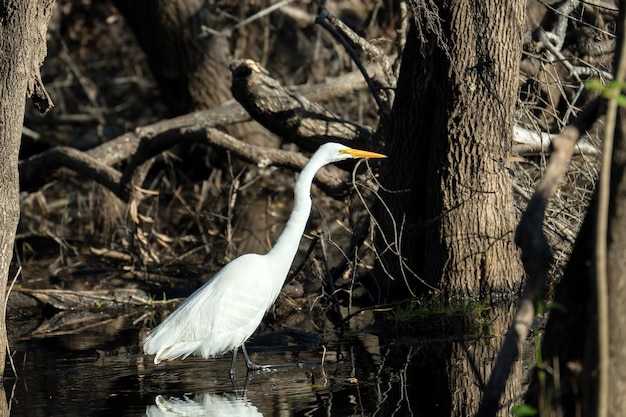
148,141
342,33
332,180
287,114
39,169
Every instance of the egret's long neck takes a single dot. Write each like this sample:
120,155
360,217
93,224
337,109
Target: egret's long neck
286,247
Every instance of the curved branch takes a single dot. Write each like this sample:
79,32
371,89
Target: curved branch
290,115
148,141
40,169
330,179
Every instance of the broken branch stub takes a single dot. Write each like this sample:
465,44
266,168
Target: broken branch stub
289,115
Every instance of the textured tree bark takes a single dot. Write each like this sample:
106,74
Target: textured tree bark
4,406
23,28
190,65
450,133
188,59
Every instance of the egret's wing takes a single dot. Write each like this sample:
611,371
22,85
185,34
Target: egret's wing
220,315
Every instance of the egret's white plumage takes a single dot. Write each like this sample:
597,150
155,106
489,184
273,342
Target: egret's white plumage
222,314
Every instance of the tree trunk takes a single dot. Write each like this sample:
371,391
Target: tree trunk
449,136
4,406
189,64
23,26
188,59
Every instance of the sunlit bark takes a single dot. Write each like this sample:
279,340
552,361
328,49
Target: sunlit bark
451,200
23,27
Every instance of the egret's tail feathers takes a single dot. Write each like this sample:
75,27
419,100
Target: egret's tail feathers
179,350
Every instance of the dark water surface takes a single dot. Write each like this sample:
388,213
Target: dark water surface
100,372
67,376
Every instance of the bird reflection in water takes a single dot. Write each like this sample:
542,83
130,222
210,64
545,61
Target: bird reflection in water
202,405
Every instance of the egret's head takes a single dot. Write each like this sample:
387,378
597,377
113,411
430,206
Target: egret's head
333,152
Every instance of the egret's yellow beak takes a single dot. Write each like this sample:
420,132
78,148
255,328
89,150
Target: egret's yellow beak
357,153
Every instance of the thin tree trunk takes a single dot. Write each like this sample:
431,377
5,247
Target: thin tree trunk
616,274
23,26
616,247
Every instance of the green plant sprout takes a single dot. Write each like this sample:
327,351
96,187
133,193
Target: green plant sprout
438,314
610,91
526,410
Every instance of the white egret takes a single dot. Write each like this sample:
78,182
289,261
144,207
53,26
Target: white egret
222,314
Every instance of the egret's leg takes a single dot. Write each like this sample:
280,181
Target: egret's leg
256,367
245,388
251,366
232,363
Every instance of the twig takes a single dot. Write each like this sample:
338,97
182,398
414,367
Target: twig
548,40
364,45
111,254
233,193
601,238
305,259
330,282
4,314
326,19
561,27
259,15
393,246
602,221
357,238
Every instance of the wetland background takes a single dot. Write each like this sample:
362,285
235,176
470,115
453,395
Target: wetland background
94,274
